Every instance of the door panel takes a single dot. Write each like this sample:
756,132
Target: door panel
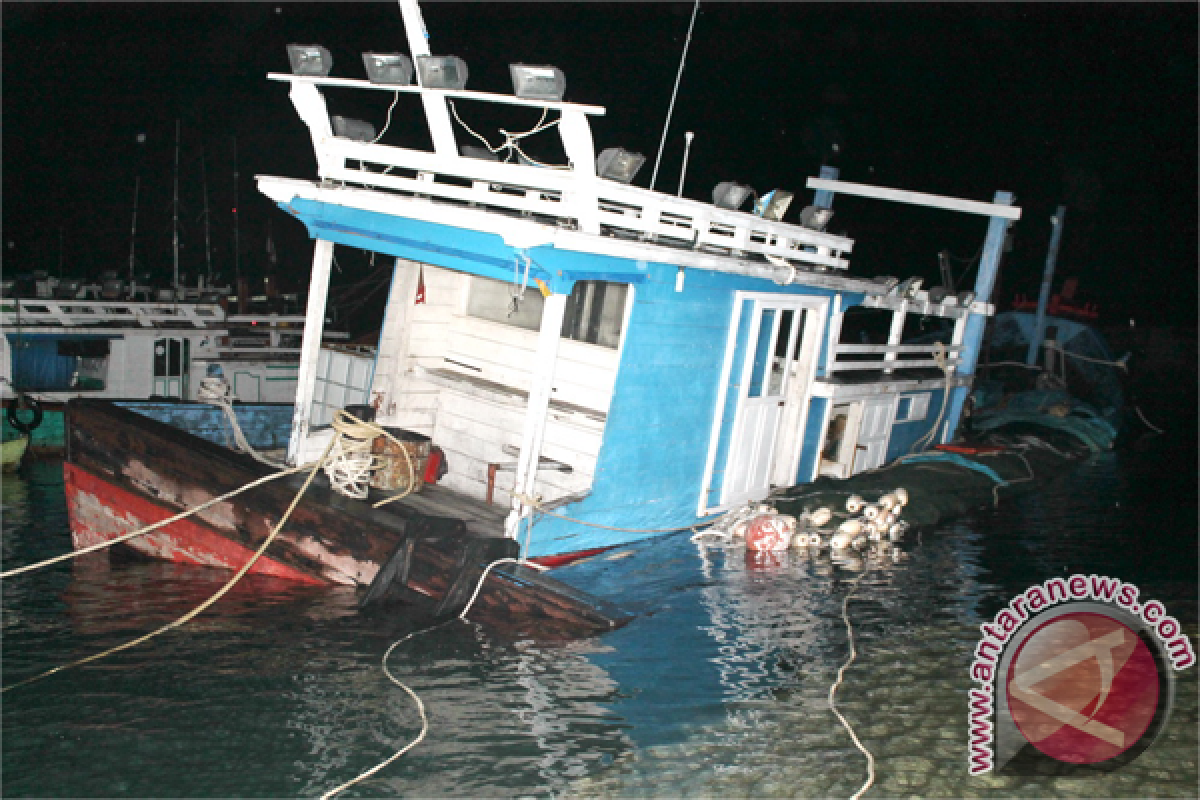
873,433
758,391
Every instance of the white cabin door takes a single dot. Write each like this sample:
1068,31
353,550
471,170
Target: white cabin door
873,433
762,348
171,366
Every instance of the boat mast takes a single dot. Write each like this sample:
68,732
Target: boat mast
237,250
137,182
207,240
175,221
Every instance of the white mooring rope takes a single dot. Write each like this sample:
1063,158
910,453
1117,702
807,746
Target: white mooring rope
841,672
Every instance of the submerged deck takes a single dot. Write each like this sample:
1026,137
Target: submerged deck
480,518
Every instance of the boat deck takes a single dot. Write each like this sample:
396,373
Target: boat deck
481,519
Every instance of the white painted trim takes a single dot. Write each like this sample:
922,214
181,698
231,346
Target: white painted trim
539,402
714,434
310,346
915,198
463,94
819,314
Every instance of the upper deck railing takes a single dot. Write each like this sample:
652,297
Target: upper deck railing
572,197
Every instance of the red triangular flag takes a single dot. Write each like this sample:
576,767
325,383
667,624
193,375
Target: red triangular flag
420,286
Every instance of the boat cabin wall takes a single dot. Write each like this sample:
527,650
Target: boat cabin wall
265,426
456,367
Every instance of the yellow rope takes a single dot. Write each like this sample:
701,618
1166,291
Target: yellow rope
203,606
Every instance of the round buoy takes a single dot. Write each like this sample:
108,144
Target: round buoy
850,526
887,502
901,496
871,512
24,401
854,504
821,517
841,540
770,532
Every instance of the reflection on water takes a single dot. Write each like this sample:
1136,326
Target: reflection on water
719,687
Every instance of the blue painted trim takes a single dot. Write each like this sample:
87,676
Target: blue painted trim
814,438
729,413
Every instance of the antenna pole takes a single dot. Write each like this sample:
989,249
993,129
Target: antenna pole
207,240
175,222
670,109
137,182
687,149
237,249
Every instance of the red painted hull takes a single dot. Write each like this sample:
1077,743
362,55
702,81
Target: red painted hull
100,512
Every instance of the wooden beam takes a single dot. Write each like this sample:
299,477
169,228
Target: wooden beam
917,198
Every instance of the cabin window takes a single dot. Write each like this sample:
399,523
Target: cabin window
595,309
912,407
53,364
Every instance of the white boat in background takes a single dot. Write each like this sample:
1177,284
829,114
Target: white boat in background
53,349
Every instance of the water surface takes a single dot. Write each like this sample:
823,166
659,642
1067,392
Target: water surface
719,687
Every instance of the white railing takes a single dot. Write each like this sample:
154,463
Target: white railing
74,313
571,196
852,357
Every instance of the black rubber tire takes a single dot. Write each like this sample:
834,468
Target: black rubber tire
15,404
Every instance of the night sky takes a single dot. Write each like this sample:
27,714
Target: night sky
1092,105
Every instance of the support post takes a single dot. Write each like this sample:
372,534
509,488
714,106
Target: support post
824,197
553,311
1039,325
437,113
895,335
989,267
310,347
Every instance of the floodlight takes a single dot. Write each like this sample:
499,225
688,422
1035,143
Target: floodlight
442,72
309,59
618,164
908,288
965,298
774,204
538,83
482,153
355,129
939,294
816,217
730,195
391,68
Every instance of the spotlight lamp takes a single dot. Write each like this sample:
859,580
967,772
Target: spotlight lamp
774,204
442,72
354,129
618,164
538,83
908,288
390,68
309,59
730,195
815,217
481,153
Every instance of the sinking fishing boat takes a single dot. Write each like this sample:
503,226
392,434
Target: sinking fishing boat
598,362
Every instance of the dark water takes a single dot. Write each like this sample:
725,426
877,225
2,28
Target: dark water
718,688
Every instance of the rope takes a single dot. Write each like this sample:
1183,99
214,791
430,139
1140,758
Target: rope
511,139
416,698
1142,417
534,502
203,606
150,528
216,391
841,674
387,124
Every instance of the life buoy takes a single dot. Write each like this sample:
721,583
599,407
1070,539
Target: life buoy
24,401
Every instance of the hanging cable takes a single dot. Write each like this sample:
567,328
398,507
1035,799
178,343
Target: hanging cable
387,124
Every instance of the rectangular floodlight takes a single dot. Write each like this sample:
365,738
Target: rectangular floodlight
355,129
774,204
730,195
309,59
618,164
538,83
442,72
390,68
